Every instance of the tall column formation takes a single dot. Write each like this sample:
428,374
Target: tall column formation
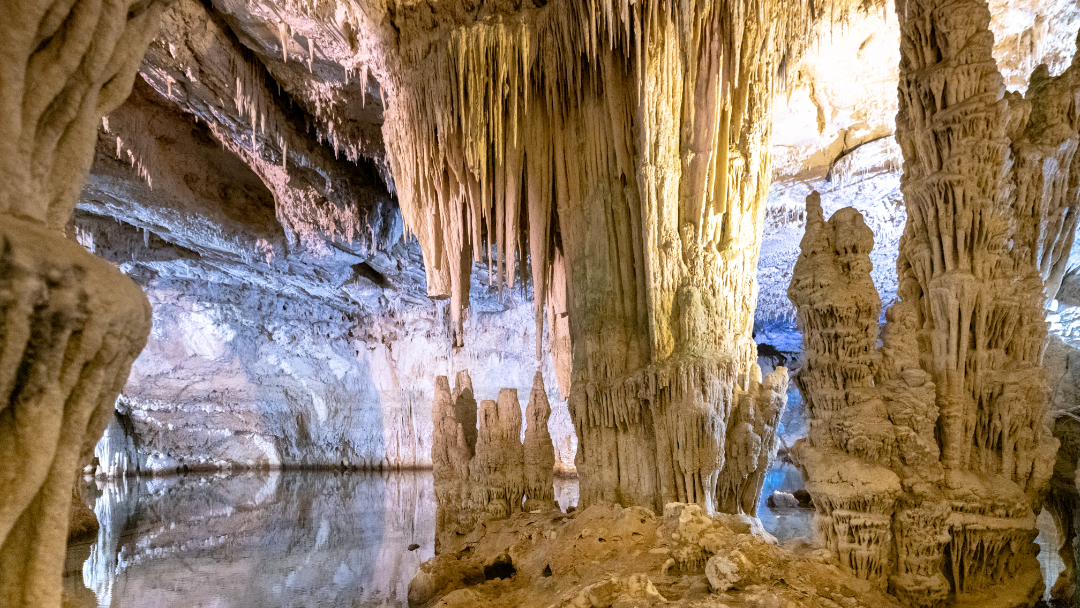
618,155
539,450
928,457
70,324
850,441
481,467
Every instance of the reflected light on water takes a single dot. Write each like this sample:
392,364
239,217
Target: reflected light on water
313,539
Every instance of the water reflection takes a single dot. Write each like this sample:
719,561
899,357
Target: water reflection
296,539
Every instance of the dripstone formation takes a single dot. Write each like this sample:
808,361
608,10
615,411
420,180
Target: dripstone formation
481,467
617,153
928,457
70,323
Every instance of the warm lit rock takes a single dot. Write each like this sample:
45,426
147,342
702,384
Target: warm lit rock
611,556
927,457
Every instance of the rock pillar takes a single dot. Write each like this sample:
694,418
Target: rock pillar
70,323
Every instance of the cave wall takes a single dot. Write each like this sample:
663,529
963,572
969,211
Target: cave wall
234,377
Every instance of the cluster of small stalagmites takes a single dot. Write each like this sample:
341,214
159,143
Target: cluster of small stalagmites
497,471
481,467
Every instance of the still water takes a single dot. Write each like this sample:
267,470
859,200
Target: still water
295,539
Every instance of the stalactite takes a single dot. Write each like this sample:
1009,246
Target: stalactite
283,36
310,212
625,148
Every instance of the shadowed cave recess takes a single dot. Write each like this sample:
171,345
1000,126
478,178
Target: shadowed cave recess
589,303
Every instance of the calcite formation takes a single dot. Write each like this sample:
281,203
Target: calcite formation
617,154
928,457
539,451
482,468
1062,364
70,323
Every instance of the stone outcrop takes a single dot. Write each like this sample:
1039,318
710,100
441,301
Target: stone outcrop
607,556
928,457
70,323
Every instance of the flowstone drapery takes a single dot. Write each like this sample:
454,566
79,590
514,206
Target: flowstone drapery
70,324
928,457
617,153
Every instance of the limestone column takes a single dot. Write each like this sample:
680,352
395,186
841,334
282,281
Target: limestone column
634,176
70,324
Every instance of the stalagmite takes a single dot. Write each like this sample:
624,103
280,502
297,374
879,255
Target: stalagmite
928,457
497,471
70,323
624,146
847,469
481,467
539,451
451,452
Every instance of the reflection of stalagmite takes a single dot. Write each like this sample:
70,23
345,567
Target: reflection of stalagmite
926,457
539,451
70,324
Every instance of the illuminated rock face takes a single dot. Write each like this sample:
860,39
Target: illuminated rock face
70,323
928,456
